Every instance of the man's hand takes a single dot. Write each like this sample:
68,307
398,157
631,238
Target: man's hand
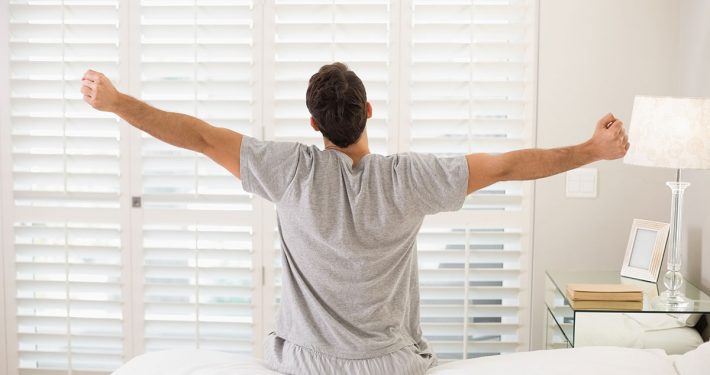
609,141
99,91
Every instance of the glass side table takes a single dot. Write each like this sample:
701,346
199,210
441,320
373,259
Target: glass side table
562,316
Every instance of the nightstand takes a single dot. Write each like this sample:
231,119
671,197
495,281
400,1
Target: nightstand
562,317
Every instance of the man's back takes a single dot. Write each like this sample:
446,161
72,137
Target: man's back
348,235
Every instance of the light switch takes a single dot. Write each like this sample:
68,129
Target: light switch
581,183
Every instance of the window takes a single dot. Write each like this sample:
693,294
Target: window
117,244
471,82
200,284
64,222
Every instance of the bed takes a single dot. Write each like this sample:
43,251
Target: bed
578,361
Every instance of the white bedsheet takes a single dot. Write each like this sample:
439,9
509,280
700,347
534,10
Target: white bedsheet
579,361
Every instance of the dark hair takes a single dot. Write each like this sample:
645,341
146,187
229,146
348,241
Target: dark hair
337,100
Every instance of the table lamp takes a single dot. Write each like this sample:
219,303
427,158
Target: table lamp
671,133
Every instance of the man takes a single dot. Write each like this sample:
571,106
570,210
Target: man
349,219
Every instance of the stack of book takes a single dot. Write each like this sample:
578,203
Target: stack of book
605,296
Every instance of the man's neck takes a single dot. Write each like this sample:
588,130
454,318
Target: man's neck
355,151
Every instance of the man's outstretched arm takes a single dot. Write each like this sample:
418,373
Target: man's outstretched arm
608,142
219,144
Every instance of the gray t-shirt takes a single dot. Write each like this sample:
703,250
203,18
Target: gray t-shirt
348,234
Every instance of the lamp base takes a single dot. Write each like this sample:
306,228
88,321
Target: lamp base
672,301
673,297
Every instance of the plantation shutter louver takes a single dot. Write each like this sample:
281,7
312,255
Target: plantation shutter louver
196,58
68,278
66,185
471,91
310,34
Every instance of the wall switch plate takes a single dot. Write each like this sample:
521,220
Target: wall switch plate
581,183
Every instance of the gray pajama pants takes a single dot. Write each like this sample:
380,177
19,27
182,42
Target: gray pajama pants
289,358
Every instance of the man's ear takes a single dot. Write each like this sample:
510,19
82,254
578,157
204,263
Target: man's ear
314,125
369,110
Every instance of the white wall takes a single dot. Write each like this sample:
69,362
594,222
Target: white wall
694,80
594,57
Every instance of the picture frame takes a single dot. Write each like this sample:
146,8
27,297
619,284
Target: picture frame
645,249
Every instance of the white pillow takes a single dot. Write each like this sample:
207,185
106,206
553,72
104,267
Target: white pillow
673,341
654,322
696,362
690,320
635,331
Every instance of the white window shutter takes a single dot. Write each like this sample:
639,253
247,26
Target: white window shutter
67,256
68,299
196,57
310,34
470,91
199,288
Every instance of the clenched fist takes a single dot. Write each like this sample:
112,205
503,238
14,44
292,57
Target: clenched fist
609,141
99,92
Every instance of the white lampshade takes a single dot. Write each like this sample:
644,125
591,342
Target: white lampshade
670,132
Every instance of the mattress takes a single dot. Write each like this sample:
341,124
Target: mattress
578,361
